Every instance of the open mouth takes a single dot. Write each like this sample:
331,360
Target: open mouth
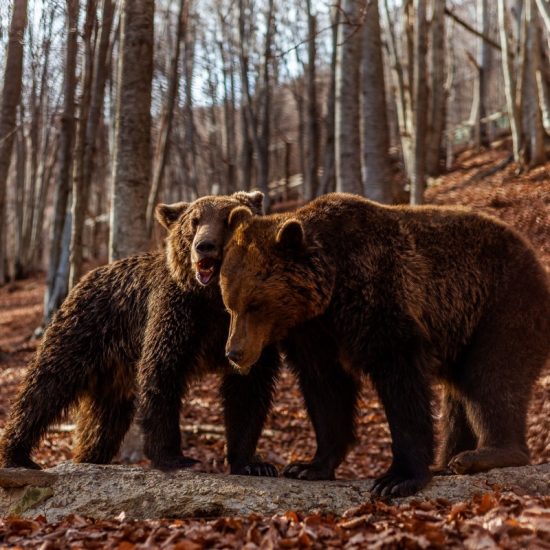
206,269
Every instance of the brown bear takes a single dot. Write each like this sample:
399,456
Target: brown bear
147,323
408,296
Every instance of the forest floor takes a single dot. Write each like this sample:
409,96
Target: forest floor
496,518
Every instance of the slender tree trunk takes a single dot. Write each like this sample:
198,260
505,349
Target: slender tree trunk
190,148
328,182
402,96
163,144
418,182
347,133
258,127
91,107
229,133
544,8
80,188
11,95
56,288
376,139
132,163
311,181
20,179
438,96
485,63
534,130
510,84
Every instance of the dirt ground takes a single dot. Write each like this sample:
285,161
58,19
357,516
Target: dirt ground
524,202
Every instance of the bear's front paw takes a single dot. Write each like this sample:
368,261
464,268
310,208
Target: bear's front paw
310,471
174,463
256,469
397,484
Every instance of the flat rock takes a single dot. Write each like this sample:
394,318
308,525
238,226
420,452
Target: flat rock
106,491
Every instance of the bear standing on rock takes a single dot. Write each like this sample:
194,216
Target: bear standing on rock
409,296
145,325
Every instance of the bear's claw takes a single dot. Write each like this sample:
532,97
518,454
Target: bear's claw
264,469
395,484
307,470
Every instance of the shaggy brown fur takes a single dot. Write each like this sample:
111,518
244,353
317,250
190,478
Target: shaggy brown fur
407,295
146,315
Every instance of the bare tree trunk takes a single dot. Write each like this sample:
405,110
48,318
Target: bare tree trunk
328,182
11,95
543,79
347,133
534,130
438,96
229,109
132,163
163,145
376,140
418,181
80,189
190,148
311,181
258,126
402,95
544,8
49,137
91,107
56,285
510,84
485,62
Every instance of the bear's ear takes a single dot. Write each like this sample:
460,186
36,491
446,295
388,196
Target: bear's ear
168,214
291,235
237,216
254,200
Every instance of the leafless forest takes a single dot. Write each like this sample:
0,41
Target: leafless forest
109,107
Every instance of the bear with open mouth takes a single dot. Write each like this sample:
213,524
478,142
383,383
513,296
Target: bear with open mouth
139,330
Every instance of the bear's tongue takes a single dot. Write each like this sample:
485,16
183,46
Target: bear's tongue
205,270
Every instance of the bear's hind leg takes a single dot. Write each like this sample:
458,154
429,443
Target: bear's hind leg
52,384
102,423
503,360
500,424
456,433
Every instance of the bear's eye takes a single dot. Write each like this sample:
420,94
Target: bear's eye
195,222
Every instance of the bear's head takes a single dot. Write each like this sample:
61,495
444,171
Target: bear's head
274,276
197,232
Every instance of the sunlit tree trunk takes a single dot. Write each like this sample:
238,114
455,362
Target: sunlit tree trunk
328,181
311,181
534,129
438,96
11,95
347,133
132,162
420,115
80,188
510,83
57,277
376,140
485,63
163,143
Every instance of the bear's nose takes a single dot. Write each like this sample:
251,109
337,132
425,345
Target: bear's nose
205,246
234,355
